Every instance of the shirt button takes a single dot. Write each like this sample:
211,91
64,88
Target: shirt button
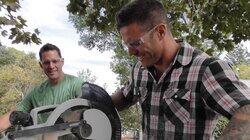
175,96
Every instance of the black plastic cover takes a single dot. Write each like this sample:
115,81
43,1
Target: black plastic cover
101,100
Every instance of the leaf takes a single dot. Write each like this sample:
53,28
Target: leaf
210,51
11,36
4,33
12,7
22,21
15,24
14,31
35,39
37,31
5,21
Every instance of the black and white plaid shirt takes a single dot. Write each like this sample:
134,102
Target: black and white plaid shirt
188,98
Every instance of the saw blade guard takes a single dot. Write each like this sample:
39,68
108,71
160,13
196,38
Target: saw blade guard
101,100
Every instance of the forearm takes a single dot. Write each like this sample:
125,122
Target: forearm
239,125
119,101
4,121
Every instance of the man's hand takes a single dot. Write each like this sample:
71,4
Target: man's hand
239,125
20,118
4,121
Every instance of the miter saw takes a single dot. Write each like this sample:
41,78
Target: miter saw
92,116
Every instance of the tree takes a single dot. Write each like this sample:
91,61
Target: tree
17,76
86,75
239,55
220,126
122,63
131,119
13,25
243,71
219,24
92,38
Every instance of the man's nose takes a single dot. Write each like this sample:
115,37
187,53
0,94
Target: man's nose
51,64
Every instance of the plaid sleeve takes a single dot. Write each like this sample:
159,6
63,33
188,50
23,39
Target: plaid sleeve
223,92
129,90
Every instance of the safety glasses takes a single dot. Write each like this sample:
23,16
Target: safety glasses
138,42
54,61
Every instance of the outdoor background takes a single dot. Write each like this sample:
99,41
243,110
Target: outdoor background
85,32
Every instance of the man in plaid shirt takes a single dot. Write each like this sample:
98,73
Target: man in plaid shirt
182,91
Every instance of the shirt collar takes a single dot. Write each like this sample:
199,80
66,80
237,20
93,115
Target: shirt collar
185,53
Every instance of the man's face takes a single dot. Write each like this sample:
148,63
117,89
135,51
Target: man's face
142,44
52,64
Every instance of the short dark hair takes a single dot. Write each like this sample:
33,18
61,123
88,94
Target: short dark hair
148,13
49,47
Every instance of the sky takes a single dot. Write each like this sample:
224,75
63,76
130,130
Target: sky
51,18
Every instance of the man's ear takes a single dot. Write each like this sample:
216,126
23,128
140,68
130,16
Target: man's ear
162,30
62,61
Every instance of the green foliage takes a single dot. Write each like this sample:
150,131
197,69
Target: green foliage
12,82
220,126
131,118
239,55
6,58
98,14
122,63
18,73
92,38
243,71
220,24
13,25
86,75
